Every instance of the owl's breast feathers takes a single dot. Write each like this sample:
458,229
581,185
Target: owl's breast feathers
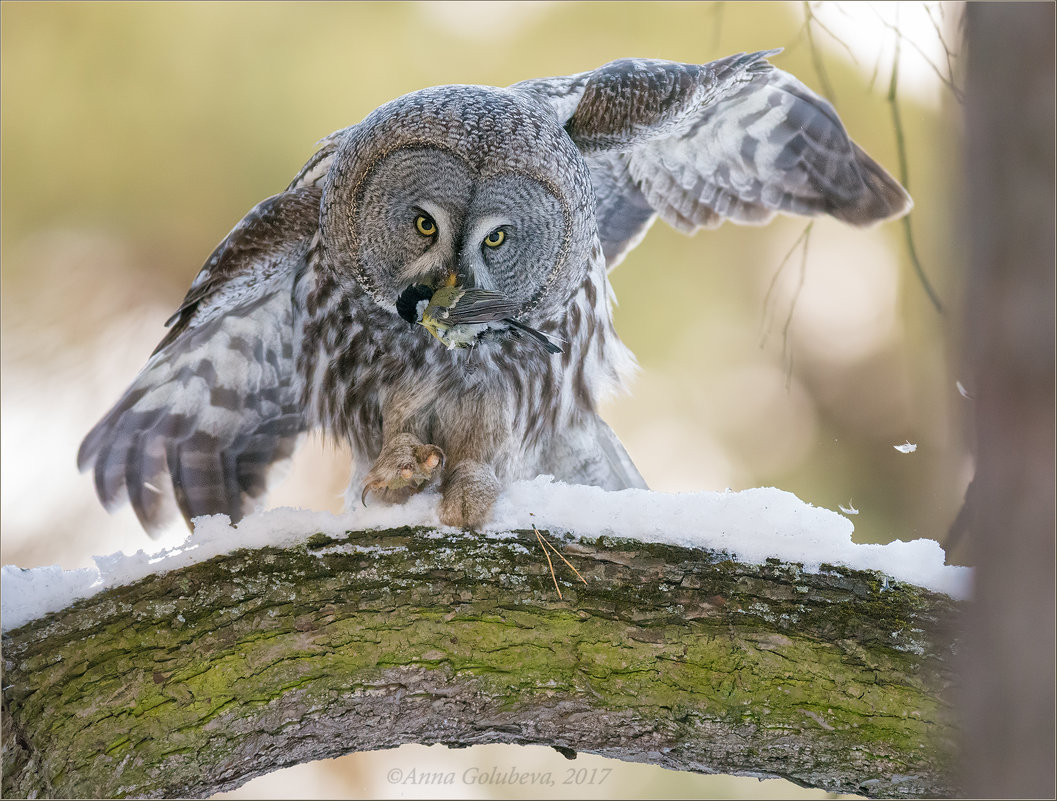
357,354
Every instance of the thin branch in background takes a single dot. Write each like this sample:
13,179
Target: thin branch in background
788,48
947,80
816,56
955,28
962,25
840,9
787,351
904,172
717,25
876,70
814,20
909,236
768,303
937,25
802,242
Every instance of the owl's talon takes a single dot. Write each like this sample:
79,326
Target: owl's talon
404,467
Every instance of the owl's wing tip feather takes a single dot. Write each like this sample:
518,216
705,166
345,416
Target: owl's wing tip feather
218,403
882,198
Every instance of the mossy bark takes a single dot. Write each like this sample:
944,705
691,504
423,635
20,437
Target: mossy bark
196,680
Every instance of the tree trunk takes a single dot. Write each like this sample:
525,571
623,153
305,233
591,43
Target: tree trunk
196,680
1007,703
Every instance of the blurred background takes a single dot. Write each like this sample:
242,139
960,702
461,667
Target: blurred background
135,135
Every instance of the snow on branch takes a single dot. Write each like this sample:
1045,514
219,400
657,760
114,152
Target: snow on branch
295,637
751,526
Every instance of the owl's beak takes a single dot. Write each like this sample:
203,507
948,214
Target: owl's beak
445,272
447,277
459,278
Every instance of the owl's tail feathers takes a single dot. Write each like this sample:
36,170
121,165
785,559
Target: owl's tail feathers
182,439
590,453
881,197
616,457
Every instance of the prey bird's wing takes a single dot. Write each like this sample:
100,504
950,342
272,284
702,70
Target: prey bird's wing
481,306
735,139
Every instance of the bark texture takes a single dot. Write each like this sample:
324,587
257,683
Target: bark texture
196,680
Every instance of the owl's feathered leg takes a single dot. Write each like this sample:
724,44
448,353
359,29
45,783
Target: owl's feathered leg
475,427
470,490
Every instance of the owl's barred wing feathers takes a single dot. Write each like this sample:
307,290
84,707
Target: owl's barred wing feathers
317,167
735,139
216,404
633,102
244,264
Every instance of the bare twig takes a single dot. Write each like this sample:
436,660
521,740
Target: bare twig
814,20
717,24
559,553
816,56
947,80
550,564
904,172
801,242
876,70
937,25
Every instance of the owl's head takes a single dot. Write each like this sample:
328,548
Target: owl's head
470,181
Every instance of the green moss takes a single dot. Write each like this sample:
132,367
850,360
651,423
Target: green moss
121,744
694,640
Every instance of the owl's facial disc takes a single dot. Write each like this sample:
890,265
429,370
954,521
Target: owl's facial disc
401,220
419,214
435,223
516,235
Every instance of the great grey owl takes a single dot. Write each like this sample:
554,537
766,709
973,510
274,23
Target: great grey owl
291,324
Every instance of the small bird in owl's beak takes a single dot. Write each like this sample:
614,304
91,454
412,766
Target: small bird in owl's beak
459,317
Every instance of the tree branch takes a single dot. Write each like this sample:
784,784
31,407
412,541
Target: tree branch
196,680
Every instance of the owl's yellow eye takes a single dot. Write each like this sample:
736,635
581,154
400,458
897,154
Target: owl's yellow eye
495,239
425,225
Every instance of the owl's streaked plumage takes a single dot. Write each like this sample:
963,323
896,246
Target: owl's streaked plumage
291,324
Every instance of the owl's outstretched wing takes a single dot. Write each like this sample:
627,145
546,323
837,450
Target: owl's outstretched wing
217,403
733,139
